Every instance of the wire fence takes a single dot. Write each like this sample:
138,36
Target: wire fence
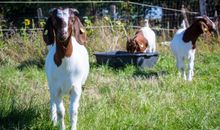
161,17
87,2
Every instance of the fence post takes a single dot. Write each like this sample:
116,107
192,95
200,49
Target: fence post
216,22
202,5
39,17
183,11
113,11
168,27
1,32
39,13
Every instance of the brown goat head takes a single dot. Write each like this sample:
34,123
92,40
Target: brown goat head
59,25
137,44
201,25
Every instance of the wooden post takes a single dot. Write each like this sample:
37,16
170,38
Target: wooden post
216,22
168,31
202,4
39,13
113,11
1,33
183,11
40,18
32,22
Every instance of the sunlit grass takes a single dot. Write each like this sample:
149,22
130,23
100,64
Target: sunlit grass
127,98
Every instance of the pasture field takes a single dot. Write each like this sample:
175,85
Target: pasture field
113,99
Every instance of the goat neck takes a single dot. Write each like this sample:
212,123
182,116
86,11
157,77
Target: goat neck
63,49
192,33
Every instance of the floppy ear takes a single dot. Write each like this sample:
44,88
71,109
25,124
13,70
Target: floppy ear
48,33
80,33
204,27
140,46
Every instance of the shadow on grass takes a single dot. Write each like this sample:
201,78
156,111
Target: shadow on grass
39,63
34,117
150,73
18,119
94,65
106,66
139,72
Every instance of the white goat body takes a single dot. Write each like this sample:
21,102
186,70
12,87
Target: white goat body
67,64
72,72
181,51
149,34
68,78
183,44
143,41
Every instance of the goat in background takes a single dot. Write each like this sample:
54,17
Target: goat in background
143,41
183,44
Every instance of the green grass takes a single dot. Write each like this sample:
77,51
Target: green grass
113,99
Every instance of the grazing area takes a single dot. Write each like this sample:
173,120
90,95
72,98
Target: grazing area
127,98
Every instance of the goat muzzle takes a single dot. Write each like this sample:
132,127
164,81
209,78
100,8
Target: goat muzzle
62,36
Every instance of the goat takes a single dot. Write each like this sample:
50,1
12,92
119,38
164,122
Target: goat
67,63
143,39
183,44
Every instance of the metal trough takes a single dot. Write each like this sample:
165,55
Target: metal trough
122,58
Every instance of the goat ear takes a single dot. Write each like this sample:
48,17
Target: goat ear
204,27
80,33
48,32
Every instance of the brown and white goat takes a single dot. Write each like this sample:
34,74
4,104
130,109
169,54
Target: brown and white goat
183,44
143,41
67,63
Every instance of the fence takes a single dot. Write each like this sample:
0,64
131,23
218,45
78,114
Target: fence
163,17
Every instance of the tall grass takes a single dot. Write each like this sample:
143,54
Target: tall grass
126,98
